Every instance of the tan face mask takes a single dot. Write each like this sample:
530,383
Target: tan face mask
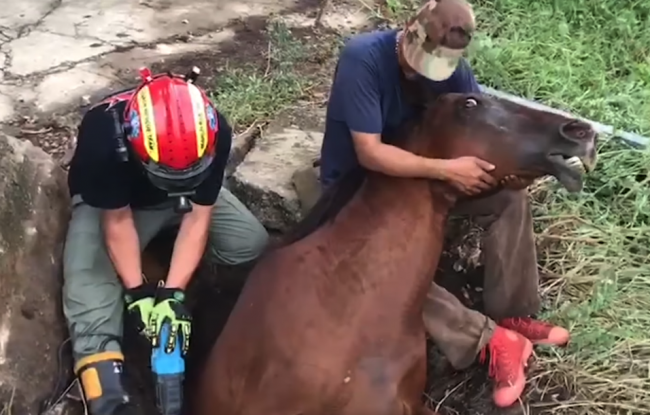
438,65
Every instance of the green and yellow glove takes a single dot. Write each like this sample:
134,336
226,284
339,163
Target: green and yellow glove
139,304
169,308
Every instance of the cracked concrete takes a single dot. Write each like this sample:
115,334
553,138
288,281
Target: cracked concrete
54,52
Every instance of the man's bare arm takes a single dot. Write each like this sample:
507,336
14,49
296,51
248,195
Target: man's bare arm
393,161
468,174
189,246
123,245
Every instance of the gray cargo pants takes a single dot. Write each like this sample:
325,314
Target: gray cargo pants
92,291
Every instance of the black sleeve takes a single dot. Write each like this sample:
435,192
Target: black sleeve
102,179
207,192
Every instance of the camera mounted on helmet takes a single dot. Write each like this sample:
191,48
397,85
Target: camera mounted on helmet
170,126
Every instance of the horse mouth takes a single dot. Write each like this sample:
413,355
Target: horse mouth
570,170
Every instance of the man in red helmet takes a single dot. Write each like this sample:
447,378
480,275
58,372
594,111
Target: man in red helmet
147,158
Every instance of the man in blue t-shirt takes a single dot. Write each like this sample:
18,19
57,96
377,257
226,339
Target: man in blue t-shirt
381,80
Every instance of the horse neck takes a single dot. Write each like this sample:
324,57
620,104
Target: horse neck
397,237
405,205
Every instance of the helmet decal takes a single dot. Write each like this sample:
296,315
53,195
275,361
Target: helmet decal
148,124
134,122
201,126
212,116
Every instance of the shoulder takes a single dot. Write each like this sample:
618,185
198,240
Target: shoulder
369,48
96,146
96,130
223,143
208,191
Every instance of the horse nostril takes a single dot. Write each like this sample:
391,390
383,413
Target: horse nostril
577,130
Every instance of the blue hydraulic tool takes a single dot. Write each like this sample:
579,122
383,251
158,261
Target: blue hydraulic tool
169,373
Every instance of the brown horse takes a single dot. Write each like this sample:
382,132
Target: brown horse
331,322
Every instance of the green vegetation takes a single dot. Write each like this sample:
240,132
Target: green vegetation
588,56
254,92
591,57
595,251
276,78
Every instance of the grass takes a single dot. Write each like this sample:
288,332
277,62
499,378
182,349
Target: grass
259,90
252,92
595,250
7,407
588,56
591,57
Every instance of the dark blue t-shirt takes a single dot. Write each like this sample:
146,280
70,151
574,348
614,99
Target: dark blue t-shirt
367,97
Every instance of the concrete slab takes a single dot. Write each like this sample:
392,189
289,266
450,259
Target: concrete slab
103,75
42,51
264,180
69,86
17,14
64,50
21,94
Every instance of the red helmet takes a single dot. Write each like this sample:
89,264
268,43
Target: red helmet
172,127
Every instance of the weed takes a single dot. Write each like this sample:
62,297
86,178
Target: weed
258,91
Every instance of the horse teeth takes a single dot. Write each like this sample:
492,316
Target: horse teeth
575,163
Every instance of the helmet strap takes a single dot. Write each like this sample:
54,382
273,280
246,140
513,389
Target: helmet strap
182,203
119,137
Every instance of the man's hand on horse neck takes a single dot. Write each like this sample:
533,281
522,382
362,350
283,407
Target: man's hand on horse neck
467,174
189,246
470,175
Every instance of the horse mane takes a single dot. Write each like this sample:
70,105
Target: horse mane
329,205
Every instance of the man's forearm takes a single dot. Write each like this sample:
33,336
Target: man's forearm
393,161
189,247
123,246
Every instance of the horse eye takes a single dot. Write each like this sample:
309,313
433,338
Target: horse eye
470,102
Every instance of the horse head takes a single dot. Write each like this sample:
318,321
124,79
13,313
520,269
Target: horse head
518,140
